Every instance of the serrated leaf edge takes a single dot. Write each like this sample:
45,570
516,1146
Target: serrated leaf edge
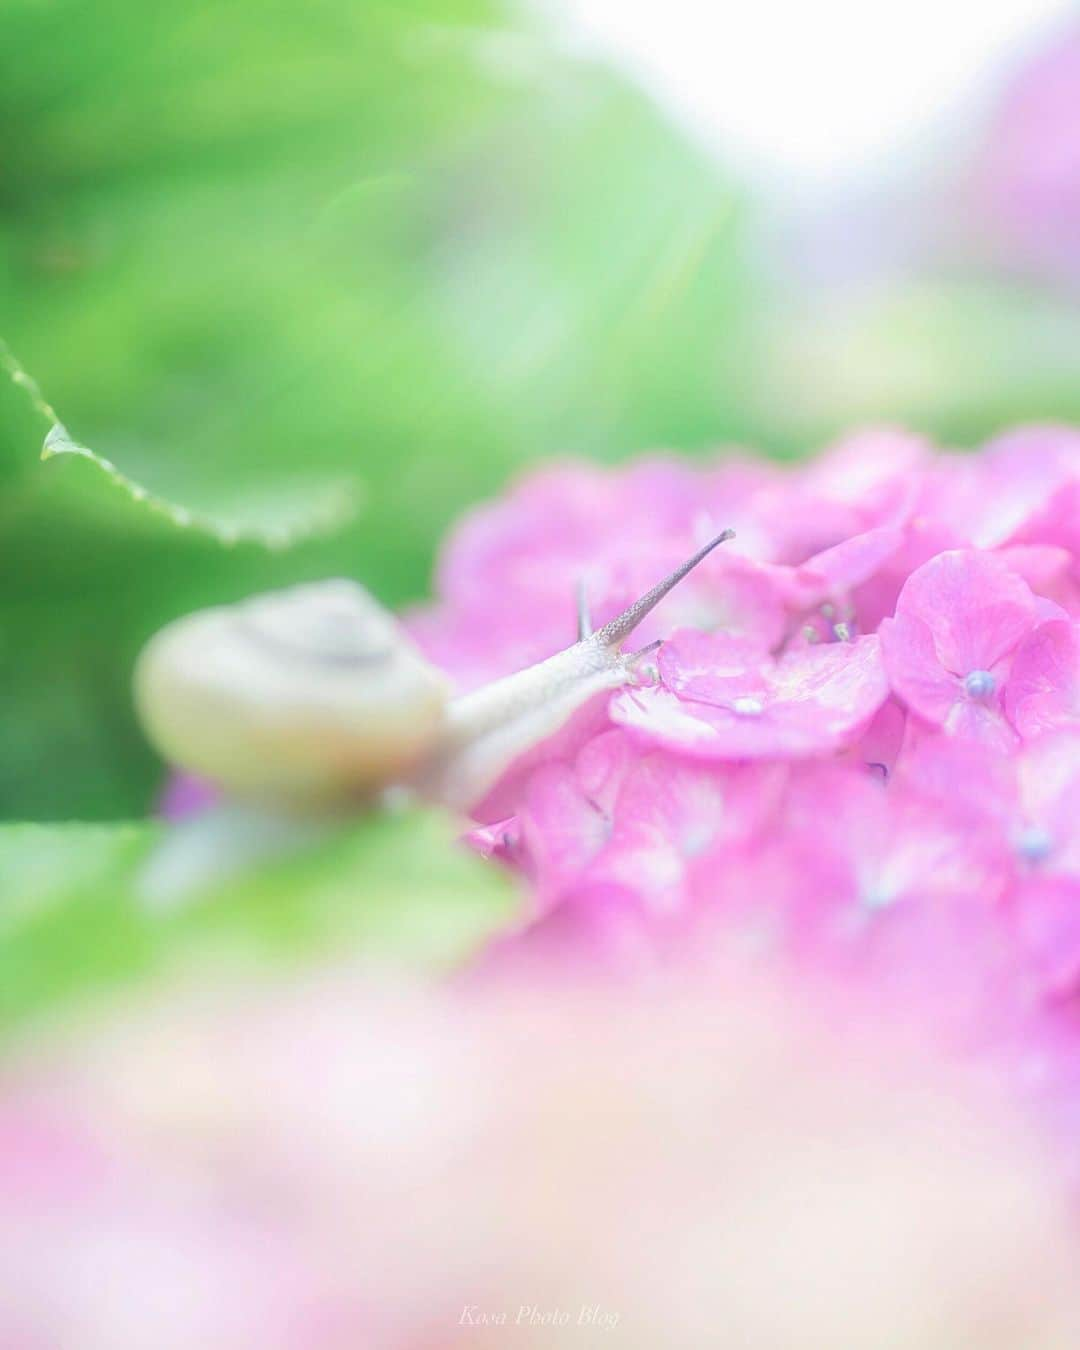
59,442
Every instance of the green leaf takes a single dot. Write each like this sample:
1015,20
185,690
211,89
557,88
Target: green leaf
78,920
277,519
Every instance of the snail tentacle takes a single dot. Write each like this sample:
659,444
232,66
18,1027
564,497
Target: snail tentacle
624,624
584,613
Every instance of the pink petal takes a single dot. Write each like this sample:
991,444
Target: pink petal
995,497
1043,692
816,700
538,538
563,829
670,812
567,809
503,799
1047,569
875,472
729,593
475,647
971,720
838,570
967,781
875,598
1047,836
1058,521
974,607
881,743
1045,918
603,764
712,667
914,671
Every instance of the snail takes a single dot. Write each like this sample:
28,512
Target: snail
310,700
307,696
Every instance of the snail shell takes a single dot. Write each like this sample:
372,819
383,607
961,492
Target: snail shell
308,695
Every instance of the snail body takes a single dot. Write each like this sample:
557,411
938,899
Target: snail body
314,698
492,728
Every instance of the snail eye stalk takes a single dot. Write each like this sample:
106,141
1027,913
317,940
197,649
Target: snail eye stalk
584,613
642,652
621,627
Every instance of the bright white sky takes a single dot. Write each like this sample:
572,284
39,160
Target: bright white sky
813,90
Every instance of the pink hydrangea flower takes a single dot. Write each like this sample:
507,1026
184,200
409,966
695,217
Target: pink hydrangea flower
858,764
889,889
635,818
1022,808
959,622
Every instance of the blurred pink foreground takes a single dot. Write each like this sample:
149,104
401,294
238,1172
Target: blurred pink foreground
349,1164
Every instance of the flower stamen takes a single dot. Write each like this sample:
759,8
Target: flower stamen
979,684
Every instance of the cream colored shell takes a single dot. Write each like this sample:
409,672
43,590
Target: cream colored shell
308,695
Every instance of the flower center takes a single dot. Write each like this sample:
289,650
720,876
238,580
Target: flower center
747,707
1034,844
979,684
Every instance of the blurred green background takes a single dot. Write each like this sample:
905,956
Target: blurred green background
292,265
279,263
